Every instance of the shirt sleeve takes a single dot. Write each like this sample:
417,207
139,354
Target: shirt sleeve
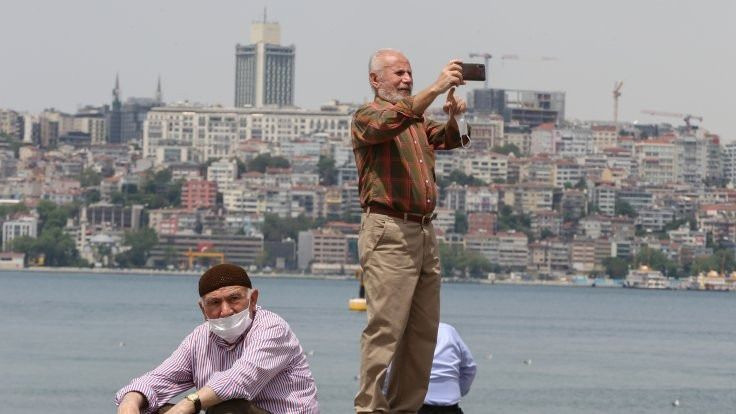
467,366
442,136
166,381
267,353
375,125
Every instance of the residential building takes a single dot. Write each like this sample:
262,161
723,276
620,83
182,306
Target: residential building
321,246
573,142
197,194
22,226
567,173
549,220
729,162
482,222
657,160
223,173
604,136
216,132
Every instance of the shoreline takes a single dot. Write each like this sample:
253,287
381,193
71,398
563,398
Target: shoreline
165,272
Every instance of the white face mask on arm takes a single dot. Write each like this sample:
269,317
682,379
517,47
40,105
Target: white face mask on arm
231,327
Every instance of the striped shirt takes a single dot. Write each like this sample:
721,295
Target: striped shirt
267,367
394,152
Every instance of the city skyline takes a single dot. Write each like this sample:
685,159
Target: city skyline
650,46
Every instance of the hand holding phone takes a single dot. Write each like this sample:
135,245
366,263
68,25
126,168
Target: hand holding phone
473,71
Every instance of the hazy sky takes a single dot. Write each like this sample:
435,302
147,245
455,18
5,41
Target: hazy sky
675,56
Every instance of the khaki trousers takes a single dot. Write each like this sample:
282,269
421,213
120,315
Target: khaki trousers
401,266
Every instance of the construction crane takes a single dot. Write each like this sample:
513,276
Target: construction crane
487,58
509,56
616,94
685,117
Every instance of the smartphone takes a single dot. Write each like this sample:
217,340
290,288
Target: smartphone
473,71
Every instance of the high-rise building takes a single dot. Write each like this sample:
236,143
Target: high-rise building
264,69
531,108
729,162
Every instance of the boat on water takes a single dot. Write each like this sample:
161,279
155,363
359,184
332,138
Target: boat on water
357,304
607,282
713,281
646,278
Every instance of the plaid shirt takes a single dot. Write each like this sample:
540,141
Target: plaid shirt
394,152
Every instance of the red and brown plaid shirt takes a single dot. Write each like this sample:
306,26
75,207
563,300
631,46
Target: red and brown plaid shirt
394,152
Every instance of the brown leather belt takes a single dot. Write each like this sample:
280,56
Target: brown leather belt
416,218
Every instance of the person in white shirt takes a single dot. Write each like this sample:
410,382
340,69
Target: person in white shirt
453,371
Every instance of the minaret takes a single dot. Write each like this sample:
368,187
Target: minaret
116,91
159,93
115,118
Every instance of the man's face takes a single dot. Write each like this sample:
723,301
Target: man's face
394,81
227,301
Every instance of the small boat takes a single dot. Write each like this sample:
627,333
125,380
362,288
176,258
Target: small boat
357,304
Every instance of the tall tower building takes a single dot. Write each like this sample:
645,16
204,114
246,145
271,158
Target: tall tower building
115,117
264,69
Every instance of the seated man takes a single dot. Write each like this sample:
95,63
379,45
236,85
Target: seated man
453,370
242,356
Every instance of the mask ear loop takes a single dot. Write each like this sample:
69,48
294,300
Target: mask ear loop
464,132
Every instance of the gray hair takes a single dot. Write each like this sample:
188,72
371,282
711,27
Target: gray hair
375,64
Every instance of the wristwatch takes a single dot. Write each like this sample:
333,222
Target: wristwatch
194,398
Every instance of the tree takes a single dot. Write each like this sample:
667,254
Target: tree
460,178
13,209
461,222
263,161
454,259
91,196
546,234
721,261
275,228
616,267
581,184
89,178
655,259
623,208
141,242
327,170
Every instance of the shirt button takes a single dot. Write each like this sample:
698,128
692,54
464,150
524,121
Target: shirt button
415,141
429,201
426,181
421,160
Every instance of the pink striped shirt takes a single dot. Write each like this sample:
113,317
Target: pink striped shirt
266,367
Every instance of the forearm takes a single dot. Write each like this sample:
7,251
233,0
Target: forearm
132,402
207,398
423,99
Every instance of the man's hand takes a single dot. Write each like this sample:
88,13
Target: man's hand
453,106
451,75
131,403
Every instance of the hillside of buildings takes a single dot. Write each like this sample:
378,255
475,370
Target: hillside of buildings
274,189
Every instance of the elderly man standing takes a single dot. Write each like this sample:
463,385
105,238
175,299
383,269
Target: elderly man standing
394,151
242,359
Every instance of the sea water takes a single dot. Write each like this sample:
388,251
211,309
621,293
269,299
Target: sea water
69,341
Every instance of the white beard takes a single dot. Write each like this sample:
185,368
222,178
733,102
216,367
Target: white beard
392,96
